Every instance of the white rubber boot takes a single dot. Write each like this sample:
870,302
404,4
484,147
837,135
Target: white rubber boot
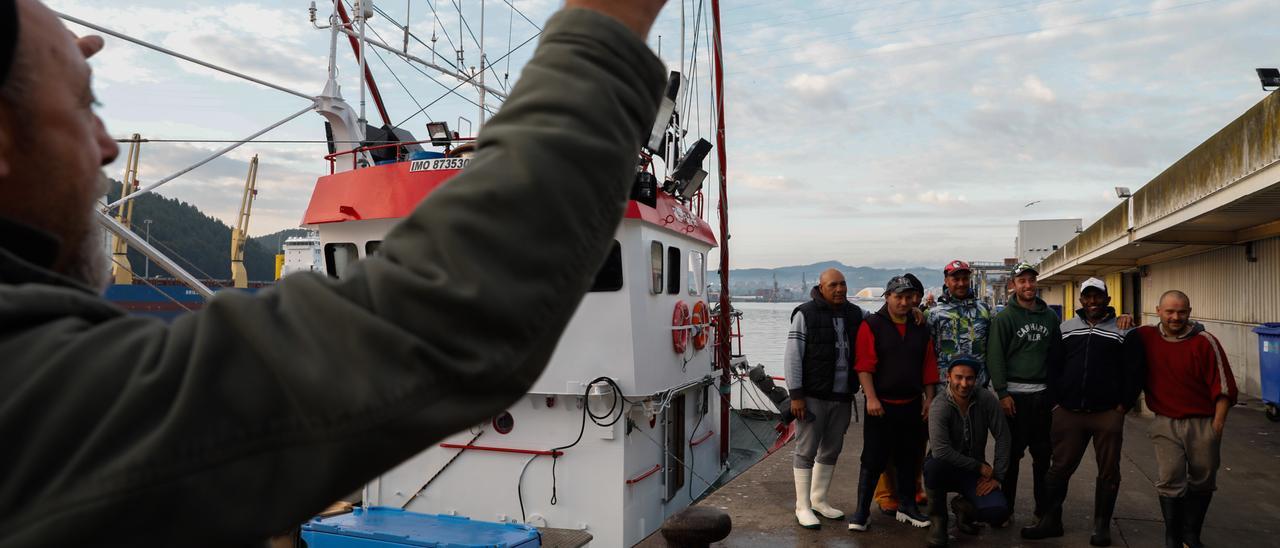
818,494
804,512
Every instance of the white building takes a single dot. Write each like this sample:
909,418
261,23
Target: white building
1037,239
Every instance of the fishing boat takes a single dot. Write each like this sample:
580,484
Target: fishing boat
630,421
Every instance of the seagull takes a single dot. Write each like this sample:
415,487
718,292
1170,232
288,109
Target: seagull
1029,204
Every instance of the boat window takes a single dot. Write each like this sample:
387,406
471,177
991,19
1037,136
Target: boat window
655,260
371,247
697,275
609,277
673,273
338,258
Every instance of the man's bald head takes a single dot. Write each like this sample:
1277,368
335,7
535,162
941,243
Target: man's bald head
832,286
1179,298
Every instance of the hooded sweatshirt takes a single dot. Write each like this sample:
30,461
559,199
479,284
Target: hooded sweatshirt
1019,344
1186,374
960,439
820,348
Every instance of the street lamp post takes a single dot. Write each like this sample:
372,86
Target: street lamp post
146,272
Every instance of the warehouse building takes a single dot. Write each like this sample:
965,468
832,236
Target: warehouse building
1209,225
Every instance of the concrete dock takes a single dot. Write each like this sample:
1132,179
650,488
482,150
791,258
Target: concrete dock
1245,510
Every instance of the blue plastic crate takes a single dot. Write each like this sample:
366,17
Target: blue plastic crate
381,527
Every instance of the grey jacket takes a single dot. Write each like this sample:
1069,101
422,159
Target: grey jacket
961,440
242,420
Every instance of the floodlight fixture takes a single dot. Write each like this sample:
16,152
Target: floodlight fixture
672,96
439,133
1270,78
1123,192
690,189
691,162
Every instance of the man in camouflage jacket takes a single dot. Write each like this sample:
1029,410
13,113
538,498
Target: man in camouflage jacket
960,321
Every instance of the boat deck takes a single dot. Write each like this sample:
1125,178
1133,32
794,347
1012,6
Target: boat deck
1245,510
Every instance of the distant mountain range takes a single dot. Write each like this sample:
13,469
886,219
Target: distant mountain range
744,281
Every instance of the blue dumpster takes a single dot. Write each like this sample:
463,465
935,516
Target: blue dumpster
1269,364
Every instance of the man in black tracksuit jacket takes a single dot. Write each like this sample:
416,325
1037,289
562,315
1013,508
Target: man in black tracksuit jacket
1092,383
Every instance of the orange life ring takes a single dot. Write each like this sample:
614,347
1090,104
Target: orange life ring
679,327
700,326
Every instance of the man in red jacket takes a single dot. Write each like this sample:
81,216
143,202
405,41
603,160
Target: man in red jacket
1190,388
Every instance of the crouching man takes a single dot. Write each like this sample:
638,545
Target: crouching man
960,418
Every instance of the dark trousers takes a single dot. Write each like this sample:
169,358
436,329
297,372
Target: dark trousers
1072,431
1031,426
992,507
897,436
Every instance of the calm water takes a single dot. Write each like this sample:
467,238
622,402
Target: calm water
764,331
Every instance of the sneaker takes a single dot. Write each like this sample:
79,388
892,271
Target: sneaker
859,521
891,512
912,516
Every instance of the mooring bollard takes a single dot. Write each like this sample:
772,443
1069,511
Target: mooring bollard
696,527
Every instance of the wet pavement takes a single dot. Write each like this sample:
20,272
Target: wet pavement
1245,510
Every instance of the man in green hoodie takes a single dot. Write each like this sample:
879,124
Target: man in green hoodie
1022,336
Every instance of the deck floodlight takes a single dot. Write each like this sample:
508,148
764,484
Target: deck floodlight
671,97
1123,192
1270,78
439,133
691,162
695,184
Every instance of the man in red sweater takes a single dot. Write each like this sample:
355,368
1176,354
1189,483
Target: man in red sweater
896,365
1190,388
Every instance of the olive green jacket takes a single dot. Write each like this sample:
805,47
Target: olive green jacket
243,419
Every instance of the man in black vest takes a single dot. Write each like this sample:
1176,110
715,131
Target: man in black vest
821,381
895,364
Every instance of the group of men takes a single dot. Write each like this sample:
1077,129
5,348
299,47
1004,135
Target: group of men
957,374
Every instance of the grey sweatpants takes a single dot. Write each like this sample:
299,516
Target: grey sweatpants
821,439
1187,455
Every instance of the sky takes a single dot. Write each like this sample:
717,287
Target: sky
885,133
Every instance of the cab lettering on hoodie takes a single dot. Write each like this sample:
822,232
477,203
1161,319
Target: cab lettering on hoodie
1032,332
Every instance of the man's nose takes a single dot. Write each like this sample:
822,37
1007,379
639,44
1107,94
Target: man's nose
108,147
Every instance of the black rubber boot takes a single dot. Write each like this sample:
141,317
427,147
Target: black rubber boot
1197,505
866,491
1050,523
1174,521
937,518
966,520
1104,505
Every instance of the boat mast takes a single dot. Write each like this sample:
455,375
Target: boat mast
724,350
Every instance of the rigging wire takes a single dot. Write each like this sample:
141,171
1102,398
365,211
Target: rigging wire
424,73
468,79
483,62
430,48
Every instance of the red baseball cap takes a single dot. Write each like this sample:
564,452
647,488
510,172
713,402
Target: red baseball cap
956,266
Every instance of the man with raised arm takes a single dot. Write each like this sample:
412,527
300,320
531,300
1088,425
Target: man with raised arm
821,382
1093,382
241,420
1190,388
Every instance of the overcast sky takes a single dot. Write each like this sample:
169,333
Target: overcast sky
885,133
